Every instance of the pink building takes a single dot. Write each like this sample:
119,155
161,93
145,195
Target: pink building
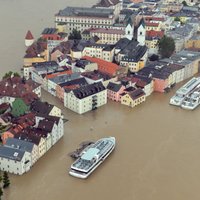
114,90
160,84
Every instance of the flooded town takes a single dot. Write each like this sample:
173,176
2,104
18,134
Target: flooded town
157,144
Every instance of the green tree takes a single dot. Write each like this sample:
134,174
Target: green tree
184,3
75,34
1,190
6,181
9,74
166,46
177,19
19,107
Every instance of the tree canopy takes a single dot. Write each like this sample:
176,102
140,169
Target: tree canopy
177,19
154,57
166,46
75,34
184,3
9,74
6,181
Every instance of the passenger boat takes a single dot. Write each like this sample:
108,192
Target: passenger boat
181,93
192,100
92,157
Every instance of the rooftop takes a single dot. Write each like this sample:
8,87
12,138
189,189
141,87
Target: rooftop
29,36
114,86
88,90
49,31
86,12
11,153
19,144
104,66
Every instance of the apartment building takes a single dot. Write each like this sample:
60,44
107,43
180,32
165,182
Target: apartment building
86,98
14,160
81,18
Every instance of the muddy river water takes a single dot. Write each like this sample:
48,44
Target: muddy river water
157,156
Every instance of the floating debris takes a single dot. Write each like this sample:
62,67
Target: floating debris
77,153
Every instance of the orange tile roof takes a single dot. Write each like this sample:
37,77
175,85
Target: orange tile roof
58,73
104,66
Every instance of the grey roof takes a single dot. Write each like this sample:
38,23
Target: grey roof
10,153
88,90
137,93
79,81
183,57
195,37
122,43
86,11
82,63
41,107
156,70
180,32
114,86
46,125
46,67
63,78
133,52
49,31
19,144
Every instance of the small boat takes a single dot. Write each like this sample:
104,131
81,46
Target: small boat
91,157
77,153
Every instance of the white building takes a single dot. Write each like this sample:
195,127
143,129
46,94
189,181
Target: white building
14,160
23,146
102,51
86,98
81,18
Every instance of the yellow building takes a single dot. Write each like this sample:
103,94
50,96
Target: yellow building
109,36
134,98
135,64
153,26
193,43
37,52
102,51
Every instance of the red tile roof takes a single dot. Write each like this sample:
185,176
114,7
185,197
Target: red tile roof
153,33
58,73
16,87
151,24
104,66
148,18
29,36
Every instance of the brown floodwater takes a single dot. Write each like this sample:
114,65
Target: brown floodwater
158,145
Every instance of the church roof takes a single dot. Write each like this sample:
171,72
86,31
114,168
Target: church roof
29,35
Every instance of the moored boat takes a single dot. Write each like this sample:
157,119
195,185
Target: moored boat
92,157
192,100
182,92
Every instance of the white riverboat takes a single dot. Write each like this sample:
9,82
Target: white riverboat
192,100
182,92
92,157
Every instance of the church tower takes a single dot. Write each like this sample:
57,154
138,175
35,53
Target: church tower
129,30
141,32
